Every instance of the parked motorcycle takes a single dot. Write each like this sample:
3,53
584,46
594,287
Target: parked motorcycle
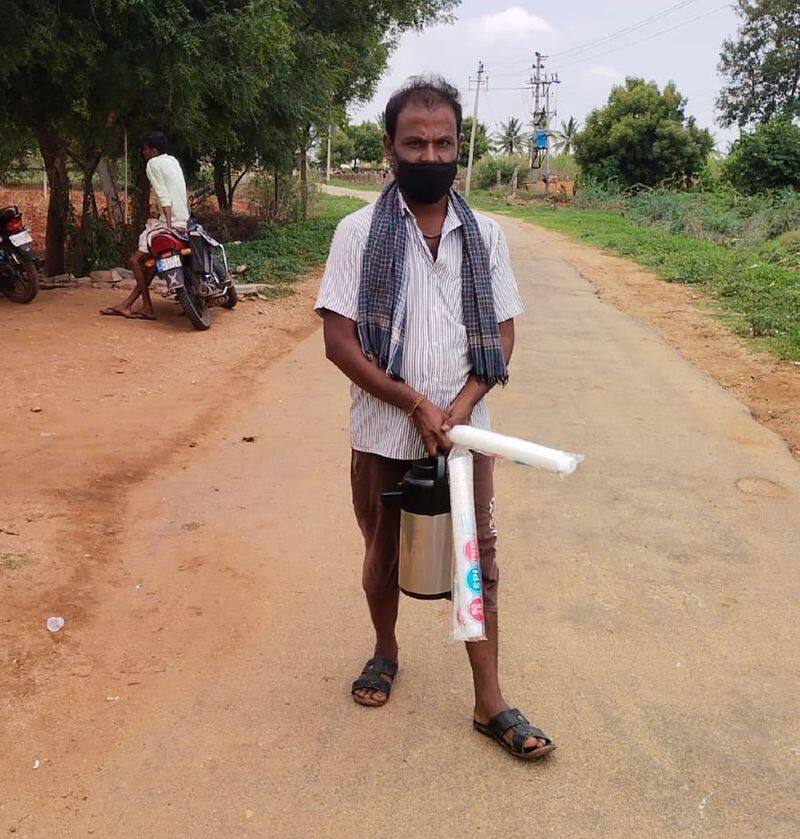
19,278
196,277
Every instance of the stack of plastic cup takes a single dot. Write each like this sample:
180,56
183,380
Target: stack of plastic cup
467,579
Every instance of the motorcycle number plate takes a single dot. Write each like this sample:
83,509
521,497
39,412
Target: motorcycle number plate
168,263
20,238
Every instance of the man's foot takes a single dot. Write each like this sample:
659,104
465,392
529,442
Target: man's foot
374,686
495,723
113,311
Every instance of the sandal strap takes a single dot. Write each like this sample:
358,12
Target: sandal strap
523,730
379,664
371,681
372,676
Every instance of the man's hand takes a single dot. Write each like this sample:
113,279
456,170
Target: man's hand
430,420
459,413
168,215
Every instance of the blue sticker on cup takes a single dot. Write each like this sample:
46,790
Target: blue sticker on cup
474,579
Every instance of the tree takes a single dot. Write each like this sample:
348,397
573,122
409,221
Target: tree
762,64
481,141
565,138
511,138
642,136
343,149
767,158
367,143
235,82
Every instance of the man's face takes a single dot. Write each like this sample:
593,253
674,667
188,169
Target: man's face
424,135
148,151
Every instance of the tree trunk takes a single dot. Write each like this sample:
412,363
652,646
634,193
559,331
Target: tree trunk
219,182
54,153
110,190
276,194
88,211
232,190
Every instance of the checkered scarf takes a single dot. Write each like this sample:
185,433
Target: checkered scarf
384,288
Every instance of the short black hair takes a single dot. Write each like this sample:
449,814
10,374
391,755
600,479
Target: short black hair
429,91
155,140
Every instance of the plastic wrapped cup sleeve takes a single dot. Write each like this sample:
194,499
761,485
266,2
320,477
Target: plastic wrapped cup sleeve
467,604
513,448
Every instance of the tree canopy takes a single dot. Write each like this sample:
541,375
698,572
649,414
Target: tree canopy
233,82
767,158
761,64
642,136
355,144
511,138
481,141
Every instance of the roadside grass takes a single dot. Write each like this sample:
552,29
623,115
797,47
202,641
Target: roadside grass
761,300
283,252
354,185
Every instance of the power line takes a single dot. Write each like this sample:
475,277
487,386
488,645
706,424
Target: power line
644,40
599,41
633,27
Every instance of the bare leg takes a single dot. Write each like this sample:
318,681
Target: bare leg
383,611
143,276
488,696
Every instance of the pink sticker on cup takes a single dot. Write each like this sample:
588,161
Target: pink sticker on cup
471,551
476,609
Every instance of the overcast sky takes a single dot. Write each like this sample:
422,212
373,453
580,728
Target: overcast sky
504,34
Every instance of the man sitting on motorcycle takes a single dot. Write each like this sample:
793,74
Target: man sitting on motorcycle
166,178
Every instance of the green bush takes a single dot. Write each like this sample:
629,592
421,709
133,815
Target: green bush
487,169
283,251
768,158
283,204
784,250
721,215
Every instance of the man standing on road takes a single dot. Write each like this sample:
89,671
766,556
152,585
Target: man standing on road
418,300
166,178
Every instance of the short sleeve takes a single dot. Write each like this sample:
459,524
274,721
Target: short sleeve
507,302
341,279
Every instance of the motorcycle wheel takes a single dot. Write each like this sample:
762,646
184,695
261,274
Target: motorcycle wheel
194,306
231,297
24,286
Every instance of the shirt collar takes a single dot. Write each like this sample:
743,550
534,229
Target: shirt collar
451,220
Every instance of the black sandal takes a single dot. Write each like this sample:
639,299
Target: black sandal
372,678
502,722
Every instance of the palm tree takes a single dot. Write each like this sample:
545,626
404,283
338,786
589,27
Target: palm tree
510,139
565,138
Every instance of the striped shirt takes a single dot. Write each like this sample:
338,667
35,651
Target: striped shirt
436,357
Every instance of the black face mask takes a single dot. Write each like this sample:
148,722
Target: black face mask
425,183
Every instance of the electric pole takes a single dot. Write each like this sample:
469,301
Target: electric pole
537,87
541,83
479,80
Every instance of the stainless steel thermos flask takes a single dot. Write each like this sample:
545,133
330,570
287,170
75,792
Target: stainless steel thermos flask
426,534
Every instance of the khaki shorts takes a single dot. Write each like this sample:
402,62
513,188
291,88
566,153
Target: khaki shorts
371,474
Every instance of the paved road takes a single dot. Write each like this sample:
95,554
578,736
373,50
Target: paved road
648,614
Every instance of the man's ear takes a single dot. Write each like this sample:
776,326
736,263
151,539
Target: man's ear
388,146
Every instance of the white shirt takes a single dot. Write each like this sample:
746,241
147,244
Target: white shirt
436,357
166,177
